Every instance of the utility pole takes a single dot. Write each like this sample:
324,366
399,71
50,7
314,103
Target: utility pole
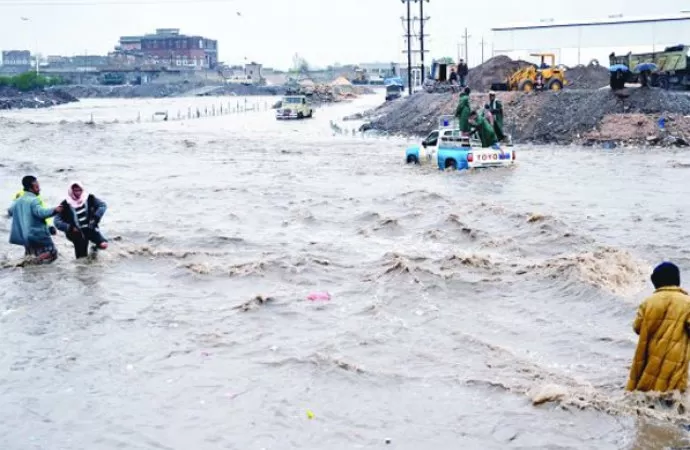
407,25
483,49
409,47
467,38
422,19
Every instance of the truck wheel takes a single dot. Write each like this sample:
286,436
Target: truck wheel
555,85
451,164
412,159
300,115
526,86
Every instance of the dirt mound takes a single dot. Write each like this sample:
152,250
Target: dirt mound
592,76
497,69
569,116
11,98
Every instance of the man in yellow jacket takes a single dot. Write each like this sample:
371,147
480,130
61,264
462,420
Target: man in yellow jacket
663,324
49,220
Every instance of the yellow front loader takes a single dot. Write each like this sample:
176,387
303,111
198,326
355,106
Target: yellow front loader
530,78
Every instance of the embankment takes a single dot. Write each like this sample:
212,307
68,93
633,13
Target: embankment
162,90
11,98
585,117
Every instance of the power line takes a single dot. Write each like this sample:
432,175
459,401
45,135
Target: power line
104,2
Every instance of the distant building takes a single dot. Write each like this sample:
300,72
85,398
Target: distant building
579,42
253,71
130,43
167,47
16,58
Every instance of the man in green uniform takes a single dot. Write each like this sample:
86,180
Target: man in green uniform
484,130
463,111
496,108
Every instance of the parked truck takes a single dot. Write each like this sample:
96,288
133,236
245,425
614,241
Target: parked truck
671,71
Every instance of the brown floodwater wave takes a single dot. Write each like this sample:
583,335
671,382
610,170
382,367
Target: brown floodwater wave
486,310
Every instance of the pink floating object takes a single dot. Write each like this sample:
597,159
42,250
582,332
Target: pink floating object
319,296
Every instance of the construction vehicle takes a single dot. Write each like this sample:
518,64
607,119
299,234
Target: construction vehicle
672,67
543,77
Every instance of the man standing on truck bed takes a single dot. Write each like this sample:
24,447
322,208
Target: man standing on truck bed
463,111
496,108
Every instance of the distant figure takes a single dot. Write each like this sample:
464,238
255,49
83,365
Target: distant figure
496,108
29,228
80,219
484,129
453,78
663,324
463,111
463,71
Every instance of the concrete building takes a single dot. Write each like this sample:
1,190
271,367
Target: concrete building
16,58
253,71
167,47
579,42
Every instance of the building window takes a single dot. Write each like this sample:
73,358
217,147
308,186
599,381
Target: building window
184,43
201,43
155,44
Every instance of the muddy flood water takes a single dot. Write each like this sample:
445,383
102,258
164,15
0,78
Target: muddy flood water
456,298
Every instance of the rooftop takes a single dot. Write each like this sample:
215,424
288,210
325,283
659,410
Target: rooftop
611,20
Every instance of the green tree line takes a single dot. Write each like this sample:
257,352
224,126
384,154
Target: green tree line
29,81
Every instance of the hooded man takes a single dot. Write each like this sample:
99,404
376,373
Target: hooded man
29,228
463,111
663,324
496,108
484,130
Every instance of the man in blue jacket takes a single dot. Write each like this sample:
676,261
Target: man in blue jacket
29,228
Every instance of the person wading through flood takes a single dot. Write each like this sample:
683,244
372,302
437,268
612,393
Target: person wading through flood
484,129
663,324
29,228
496,108
463,111
80,219
49,220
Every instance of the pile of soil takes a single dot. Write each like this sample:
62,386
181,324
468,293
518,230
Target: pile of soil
592,76
566,117
11,98
495,70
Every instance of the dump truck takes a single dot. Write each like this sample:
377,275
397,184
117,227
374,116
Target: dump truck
543,77
672,67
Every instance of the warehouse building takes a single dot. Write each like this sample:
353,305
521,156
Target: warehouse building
580,42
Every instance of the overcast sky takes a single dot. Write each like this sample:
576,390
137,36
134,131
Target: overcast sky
272,31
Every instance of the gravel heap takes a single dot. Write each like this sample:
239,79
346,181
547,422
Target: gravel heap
592,76
544,118
11,98
495,70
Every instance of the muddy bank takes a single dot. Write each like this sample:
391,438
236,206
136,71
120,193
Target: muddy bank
162,90
11,98
572,116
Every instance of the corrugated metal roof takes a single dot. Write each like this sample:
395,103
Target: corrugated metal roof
596,22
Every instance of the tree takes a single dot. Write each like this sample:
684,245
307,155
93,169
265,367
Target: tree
299,64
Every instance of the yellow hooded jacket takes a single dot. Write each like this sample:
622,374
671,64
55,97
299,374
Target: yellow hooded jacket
49,221
663,350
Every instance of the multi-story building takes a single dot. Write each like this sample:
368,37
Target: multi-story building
167,47
16,58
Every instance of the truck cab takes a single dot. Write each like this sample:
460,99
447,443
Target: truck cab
294,107
427,151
